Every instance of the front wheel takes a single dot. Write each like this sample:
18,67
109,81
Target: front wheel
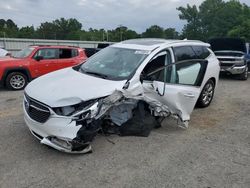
16,81
206,95
244,75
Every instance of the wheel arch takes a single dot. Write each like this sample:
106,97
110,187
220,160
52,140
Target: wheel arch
25,71
214,80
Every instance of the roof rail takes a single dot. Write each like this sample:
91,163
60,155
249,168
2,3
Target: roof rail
44,45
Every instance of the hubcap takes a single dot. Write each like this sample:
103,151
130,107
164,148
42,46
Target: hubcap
207,94
17,81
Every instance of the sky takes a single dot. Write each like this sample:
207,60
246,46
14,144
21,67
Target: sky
108,14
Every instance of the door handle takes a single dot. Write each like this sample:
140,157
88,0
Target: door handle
189,95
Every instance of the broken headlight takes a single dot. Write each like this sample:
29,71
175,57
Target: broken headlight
83,110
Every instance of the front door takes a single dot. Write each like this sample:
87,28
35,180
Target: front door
176,85
44,61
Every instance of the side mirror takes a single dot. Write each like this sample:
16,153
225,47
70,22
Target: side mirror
39,58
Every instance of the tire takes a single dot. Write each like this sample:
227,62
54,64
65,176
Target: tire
244,75
16,81
206,95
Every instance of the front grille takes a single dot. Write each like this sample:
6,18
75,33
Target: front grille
227,64
36,110
227,59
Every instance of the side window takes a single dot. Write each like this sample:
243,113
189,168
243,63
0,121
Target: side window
184,53
65,53
159,61
74,52
47,53
201,52
185,73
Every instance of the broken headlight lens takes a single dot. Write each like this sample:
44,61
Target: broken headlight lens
78,109
88,112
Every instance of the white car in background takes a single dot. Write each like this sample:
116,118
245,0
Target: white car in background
124,85
3,52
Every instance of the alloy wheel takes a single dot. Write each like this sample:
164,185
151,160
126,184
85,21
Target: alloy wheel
17,81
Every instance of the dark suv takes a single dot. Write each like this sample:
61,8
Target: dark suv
231,52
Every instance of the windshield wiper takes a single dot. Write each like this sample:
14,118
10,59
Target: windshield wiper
97,74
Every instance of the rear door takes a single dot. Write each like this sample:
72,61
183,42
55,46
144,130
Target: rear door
176,84
67,58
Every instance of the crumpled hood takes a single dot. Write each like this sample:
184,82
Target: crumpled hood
67,87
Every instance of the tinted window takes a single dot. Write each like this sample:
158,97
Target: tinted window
47,53
184,53
201,52
65,53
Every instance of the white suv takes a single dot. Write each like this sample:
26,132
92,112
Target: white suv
65,109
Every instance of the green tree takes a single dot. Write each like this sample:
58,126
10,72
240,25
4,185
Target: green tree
8,28
26,32
60,29
64,27
171,33
47,30
154,31
210,13
241,31
213,18
130,34
192,30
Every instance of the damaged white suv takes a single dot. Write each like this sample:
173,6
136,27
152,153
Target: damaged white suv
129,86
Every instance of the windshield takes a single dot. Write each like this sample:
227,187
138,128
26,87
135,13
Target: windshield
24,53
114,63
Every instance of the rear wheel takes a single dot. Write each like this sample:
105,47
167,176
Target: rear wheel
206,95
16,81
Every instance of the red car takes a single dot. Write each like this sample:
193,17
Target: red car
35,61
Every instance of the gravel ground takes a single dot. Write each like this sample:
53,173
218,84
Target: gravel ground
213,152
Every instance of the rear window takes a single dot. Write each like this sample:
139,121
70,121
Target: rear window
67,53
184,53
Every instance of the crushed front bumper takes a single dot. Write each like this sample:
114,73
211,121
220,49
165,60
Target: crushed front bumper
56,132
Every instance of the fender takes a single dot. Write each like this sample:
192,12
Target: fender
17,69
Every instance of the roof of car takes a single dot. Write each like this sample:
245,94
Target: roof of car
152,43
53,46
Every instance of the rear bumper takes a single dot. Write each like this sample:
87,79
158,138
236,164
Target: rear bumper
234,69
